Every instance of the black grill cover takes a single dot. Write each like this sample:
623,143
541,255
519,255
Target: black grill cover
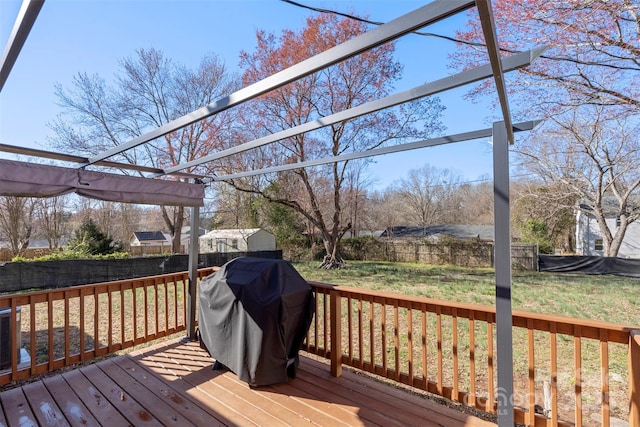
254,314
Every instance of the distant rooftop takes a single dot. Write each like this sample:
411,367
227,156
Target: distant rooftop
146,236
460,231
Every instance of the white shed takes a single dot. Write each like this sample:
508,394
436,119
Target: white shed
237,240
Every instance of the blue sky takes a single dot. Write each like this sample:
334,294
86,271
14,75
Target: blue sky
92,36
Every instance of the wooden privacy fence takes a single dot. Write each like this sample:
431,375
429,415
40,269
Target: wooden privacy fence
566,371
464,253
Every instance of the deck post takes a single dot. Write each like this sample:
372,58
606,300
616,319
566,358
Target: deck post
336,332
194,249
504,316
634,377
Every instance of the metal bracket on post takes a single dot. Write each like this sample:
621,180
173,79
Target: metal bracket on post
194,250
504,318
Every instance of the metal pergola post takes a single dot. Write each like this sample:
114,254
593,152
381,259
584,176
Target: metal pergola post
504,318
194,250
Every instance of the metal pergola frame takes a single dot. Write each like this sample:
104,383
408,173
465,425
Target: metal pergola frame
502,134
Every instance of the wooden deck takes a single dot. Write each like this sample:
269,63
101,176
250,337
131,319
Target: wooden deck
172,383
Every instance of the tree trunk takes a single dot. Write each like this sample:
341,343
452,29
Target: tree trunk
176,247
332,259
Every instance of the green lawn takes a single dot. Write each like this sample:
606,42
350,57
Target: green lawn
598,297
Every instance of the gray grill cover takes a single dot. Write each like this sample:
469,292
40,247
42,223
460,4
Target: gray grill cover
254,314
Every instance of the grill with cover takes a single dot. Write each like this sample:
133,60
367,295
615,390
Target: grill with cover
253,316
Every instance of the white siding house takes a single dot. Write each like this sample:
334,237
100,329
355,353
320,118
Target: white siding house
237,240
589,240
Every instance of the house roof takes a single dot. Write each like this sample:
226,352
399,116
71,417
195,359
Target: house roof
461,231
145,236
243,233
610,205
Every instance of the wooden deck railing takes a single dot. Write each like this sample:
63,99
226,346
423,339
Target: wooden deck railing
65,326
567,371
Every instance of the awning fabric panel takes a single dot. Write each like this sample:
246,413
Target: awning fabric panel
34,180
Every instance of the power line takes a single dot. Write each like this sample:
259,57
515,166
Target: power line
368,21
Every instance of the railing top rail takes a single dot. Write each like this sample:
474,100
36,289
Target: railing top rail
563,325
5,300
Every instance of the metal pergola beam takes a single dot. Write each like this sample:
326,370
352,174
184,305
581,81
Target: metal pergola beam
82,160
24,22
428,14
493,49
449,139
510,63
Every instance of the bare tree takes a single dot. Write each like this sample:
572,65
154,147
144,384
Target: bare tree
594,157
149,92
53,219
16,221
592,55
318,193
427,195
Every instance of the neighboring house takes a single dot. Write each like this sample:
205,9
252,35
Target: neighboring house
435,232
185,237
150,239
589,239
237,240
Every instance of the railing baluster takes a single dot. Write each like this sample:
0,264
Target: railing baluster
360,337
96,320
32,334
634,377
489,407
350,330
439,340
383,338
604,377
396,341
454,349
123,337
553,356
410,344
336,334
166,306
156,309
372,329
175,303
67,338
134,306
51,330
110,316
472,360
423,318
325,320
13,342
145,300
531,380
577,366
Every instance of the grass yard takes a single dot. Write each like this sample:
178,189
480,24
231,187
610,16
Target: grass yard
607,298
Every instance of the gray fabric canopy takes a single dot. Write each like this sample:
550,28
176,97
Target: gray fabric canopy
34,180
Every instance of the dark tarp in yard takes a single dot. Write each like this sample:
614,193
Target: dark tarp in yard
254,314
590,265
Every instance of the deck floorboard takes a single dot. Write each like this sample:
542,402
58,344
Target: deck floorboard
173,383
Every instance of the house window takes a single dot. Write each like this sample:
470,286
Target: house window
221,245
234,244
210,244
599,245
